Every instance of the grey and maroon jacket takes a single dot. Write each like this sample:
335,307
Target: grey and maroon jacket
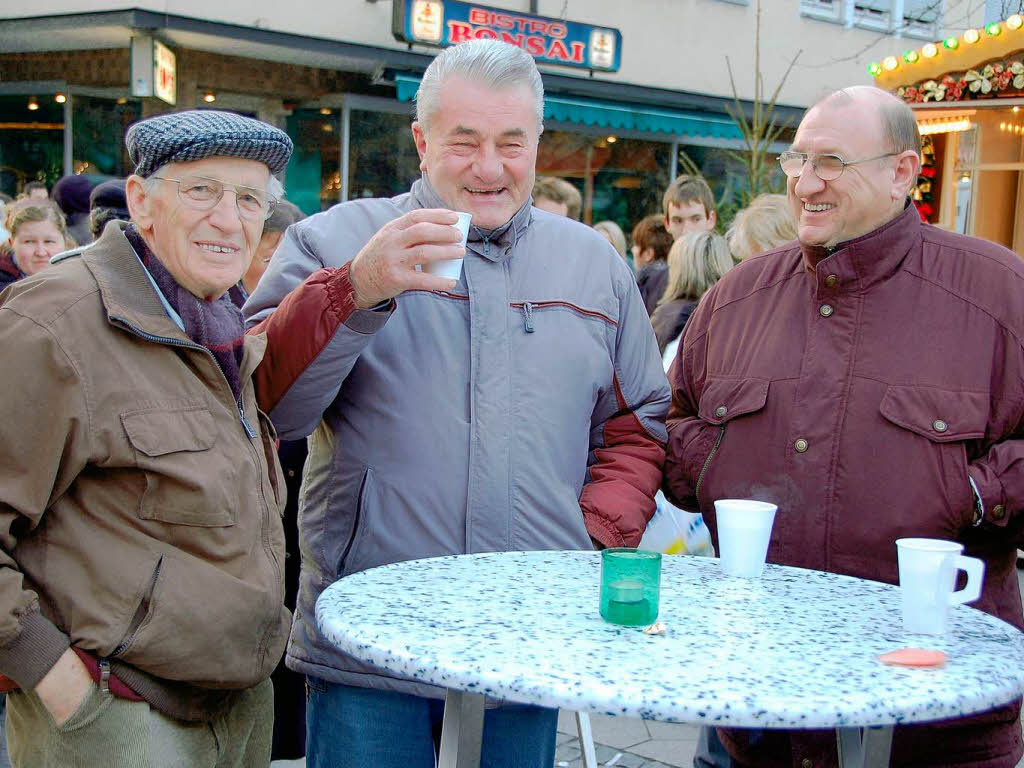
861,390
523,410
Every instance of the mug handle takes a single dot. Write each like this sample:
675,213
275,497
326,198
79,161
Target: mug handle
975,570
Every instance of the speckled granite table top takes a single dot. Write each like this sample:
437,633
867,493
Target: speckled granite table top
796,648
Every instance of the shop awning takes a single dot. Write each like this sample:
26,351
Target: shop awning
614,115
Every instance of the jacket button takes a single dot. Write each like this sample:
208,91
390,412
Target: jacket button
998,512
805,763
720,411
800,445
939,425
830,281
826,310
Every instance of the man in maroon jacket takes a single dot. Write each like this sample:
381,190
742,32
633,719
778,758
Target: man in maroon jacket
869,379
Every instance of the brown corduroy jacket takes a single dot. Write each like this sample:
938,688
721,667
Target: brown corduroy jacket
139,503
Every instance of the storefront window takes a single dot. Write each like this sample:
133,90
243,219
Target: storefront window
98,127
313,178
31,141
383,161
619,179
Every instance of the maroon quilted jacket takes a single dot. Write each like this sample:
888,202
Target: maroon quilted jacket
858,389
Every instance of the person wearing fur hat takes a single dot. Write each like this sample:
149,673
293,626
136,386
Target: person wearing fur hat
141,549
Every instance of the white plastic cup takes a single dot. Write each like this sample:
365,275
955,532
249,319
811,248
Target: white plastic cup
452,268
928,570
744,530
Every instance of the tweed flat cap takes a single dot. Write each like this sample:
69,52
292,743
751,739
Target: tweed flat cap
179,137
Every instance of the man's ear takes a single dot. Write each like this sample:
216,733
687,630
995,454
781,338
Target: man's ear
712,220
420,138
908,166
140,202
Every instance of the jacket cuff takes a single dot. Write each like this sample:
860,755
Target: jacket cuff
603,531
342,298
30,655
992,495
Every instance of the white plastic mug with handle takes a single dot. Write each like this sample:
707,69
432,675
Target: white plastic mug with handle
928,570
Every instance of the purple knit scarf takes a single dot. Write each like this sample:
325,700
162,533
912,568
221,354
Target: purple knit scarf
216,325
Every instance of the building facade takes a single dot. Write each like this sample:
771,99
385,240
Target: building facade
75,73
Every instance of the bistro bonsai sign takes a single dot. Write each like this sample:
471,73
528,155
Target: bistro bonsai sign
549,41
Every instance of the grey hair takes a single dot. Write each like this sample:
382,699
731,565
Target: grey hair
274,187
492,63
899,126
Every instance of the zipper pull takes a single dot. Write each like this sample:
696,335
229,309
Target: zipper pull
528,316
104,676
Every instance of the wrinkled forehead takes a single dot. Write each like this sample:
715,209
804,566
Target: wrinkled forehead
849,129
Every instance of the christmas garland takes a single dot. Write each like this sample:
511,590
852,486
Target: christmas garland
993,78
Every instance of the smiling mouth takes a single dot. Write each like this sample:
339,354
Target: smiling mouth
214,248
485,192
818,207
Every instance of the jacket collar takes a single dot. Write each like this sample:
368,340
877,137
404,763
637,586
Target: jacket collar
870,258
492,244
129,298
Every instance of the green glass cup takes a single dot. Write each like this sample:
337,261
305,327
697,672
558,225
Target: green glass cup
630,586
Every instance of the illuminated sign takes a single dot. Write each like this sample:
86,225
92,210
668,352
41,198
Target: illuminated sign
549,41
153,71
165,77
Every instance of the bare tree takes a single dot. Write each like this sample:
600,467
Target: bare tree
758,126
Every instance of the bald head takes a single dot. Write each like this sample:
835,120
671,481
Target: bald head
896,119
875,137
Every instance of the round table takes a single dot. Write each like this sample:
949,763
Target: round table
793,649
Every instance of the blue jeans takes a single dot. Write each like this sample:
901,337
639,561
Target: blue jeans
349,727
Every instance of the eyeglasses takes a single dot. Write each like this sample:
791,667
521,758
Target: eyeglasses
202,194
826,167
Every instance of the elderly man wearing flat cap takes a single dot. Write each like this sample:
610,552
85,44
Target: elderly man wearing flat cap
141,550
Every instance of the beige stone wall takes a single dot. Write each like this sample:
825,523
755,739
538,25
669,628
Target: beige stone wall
675,44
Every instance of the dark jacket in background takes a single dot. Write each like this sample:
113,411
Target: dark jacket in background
651,279
669,319
862,390
9,272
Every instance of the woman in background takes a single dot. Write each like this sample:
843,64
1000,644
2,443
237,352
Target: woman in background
764,224
37,235
695,263
613,234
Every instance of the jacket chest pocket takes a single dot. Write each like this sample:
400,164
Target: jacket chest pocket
722,402
934,427
188,480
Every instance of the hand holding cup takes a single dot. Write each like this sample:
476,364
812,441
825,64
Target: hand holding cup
386,265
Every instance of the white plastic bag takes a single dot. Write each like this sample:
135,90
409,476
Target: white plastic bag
674,531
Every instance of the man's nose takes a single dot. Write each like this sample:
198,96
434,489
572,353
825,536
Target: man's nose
225,215
808,183
488,164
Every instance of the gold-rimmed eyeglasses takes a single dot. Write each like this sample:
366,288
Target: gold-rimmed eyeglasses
826,167
203,194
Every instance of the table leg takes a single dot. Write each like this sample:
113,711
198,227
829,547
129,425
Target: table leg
586,740
462,731
864,747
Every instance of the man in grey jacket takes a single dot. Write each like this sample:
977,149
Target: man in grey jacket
519,407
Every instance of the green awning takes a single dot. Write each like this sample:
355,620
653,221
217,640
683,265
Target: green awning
617,115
